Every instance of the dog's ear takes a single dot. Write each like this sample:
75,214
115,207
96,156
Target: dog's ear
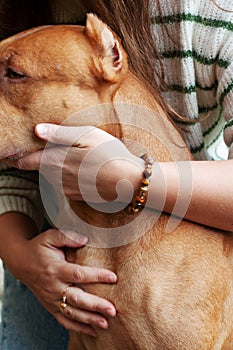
109,59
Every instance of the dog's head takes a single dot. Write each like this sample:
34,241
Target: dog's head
49,73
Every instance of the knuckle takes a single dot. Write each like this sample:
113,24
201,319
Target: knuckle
75,299
97,306
69,312
100,276
50,271
78,275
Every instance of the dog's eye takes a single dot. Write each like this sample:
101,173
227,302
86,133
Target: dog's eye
11,74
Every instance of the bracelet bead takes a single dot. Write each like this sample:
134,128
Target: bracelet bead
139,201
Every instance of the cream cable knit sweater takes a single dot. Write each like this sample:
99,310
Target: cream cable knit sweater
195,39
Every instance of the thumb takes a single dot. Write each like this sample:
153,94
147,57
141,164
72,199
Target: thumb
60,134
64,238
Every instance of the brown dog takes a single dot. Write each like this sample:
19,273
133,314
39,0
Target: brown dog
174,290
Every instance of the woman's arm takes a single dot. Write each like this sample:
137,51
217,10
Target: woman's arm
39,262
200,191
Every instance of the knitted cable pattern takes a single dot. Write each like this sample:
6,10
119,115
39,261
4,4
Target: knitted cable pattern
195,39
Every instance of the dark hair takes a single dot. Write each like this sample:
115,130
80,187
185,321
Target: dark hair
130,19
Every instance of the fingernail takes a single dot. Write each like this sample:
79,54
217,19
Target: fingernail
103,324
83,239
112,278
42,129
111,312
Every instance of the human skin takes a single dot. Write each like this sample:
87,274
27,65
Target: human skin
39,262
207,198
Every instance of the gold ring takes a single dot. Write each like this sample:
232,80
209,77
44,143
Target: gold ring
63,303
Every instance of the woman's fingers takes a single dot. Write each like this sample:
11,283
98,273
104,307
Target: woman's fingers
69,272
81,136
78,136
65,238
64,135
73,325
85,317
79,299
48,276
83,274
86,308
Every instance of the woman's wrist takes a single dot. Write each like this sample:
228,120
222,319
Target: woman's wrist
123,178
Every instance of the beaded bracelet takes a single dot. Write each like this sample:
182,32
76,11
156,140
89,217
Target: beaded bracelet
139,201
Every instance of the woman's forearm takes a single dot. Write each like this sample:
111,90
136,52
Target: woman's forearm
15,230
200,191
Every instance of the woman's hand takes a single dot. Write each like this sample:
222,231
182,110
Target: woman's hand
49,274
40,264
188,189
89,157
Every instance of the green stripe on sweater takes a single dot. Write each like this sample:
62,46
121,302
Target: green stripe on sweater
207,88
208,131
215,139
183,89
228,124
225,93
192,88
197,149
180,17
206,109
195,55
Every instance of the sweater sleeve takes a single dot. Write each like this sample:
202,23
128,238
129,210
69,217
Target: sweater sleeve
225,90
19,191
